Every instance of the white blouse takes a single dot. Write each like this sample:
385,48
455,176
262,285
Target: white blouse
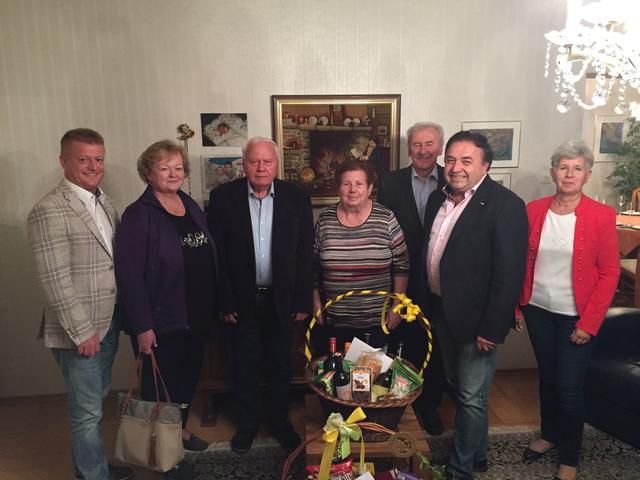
553,279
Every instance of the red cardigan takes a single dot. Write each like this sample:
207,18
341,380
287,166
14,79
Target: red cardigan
595,262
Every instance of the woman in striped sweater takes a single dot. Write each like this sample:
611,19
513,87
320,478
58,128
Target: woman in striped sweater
359,245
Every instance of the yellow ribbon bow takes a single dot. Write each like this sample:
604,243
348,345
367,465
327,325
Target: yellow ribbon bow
335,428
411,311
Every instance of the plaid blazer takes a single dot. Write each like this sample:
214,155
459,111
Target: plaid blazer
74,268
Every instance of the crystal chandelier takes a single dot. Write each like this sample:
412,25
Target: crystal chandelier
599,43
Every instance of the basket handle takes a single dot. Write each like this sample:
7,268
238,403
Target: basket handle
411,312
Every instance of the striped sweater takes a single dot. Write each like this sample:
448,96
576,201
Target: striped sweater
366,257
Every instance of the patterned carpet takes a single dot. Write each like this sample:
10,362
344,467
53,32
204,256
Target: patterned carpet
604,458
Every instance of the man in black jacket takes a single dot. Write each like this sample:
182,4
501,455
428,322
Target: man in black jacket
475,264
264,233
405,192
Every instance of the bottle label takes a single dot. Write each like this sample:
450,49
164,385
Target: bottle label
344,392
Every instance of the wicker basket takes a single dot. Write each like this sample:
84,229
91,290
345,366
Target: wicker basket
386,413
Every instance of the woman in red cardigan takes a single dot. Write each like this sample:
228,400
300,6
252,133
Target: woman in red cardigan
571,277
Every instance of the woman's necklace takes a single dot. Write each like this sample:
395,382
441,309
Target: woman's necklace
173,207
565,205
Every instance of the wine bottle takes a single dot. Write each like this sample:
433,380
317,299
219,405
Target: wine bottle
341,381
367,338
330,362
382,383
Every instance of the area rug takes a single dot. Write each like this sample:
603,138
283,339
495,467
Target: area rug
603,458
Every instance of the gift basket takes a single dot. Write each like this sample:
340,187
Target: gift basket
337,462
364,375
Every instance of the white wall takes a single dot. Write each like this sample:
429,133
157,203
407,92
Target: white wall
135,69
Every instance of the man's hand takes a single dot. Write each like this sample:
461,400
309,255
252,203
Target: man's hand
230,317
299,316
579,337
89,347
519,323
146,340
484,344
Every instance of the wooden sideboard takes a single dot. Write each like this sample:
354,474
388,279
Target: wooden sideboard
216,376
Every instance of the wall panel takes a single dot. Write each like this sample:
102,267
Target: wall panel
135,69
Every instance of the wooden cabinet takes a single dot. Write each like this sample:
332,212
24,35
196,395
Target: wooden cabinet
217,368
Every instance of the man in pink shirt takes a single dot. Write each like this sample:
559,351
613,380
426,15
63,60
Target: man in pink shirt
475,262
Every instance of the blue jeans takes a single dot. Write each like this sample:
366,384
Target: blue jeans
87,380
470,372
562,367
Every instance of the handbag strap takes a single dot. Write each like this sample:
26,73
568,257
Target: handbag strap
136,378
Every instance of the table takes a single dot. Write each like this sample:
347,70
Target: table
315,421
629,240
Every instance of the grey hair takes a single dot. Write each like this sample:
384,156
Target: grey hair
255,141
572,149
416,127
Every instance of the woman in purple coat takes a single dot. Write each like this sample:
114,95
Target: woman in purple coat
166,272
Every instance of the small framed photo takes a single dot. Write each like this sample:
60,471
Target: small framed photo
611,131
504,138
503,179
383,130
224,129
220,168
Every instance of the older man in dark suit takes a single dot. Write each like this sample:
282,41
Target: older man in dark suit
264,232
475,264
405,192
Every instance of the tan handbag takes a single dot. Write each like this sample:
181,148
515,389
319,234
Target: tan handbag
149,432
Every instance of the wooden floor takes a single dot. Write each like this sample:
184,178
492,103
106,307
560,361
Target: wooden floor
34,436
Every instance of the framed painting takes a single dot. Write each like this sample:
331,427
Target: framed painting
610,131
504,138
503,179
315,133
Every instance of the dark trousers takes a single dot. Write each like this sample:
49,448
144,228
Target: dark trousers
179,356
562,368
262,348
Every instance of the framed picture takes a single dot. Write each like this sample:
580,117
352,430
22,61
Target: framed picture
503,179
220,168
504,138
315,133
224,129
609,135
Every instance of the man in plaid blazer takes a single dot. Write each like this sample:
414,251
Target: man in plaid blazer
71,233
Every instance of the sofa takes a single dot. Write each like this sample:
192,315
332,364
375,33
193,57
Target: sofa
612,385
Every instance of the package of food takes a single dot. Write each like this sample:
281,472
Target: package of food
405,379
338,471
325,381
372,360
347,366
361,384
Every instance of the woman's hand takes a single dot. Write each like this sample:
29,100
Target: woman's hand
579,337
146,340
393,319
519,322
